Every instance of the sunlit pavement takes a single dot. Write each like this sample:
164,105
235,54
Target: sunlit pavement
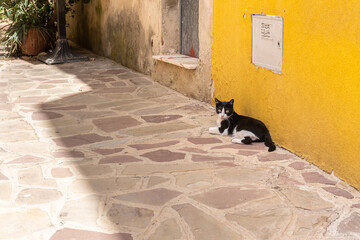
93,150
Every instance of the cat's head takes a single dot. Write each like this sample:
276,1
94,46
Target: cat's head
224,109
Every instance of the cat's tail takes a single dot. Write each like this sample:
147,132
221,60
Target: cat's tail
269,143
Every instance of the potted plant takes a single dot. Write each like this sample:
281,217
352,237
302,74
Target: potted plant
31,26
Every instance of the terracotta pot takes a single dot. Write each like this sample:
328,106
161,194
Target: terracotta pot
35,43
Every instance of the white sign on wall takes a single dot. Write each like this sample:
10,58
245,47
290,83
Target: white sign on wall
267,41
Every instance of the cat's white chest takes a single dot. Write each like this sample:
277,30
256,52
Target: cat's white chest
218,122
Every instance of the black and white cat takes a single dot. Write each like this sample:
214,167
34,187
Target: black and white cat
243,129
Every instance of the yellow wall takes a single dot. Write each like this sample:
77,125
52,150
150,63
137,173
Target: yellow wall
313,107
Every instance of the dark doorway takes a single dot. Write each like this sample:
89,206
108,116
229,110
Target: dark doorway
189,35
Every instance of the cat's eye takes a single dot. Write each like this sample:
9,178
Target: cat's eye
227,111
218,110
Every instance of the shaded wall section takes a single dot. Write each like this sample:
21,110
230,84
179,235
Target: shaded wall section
312,108
132,31
127,31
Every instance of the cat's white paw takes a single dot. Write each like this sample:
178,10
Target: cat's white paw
237,140
214,130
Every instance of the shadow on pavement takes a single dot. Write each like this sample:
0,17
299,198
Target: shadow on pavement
103,119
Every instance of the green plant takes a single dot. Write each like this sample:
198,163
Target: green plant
2,13
23,16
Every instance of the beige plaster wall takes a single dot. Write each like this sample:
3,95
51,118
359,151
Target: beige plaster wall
132,31
193,83
127,31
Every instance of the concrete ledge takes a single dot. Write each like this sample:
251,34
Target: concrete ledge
183,61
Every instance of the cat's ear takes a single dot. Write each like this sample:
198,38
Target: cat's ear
217,101
231,102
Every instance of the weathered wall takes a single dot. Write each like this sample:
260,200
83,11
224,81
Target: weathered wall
312,108
127,31
205,40
170,27
132,31
194,83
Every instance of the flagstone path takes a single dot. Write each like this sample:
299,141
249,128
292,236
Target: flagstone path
93,150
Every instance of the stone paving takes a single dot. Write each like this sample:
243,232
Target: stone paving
93,150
